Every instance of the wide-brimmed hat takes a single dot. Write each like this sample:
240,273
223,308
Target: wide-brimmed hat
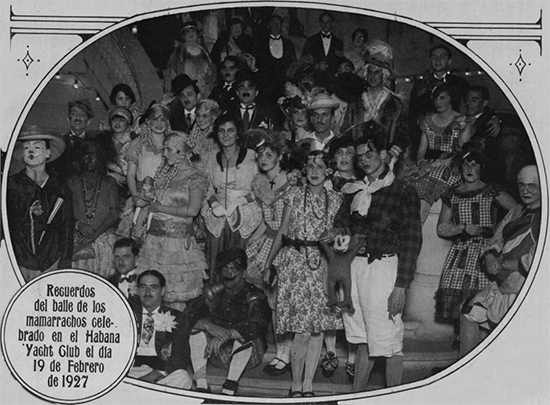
379,54
34,133
322,100
121,112
84,104
181,82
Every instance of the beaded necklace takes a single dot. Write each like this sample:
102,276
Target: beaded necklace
90,202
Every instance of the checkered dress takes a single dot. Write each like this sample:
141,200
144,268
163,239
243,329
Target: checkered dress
462,275
444,139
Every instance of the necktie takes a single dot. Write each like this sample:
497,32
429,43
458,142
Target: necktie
275,38
327,36
188,120
248,110
148,328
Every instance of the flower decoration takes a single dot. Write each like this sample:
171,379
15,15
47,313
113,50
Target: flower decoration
164,322
297,96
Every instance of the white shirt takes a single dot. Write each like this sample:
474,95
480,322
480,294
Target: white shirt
124,286
326,41
149,348
317,144
276,46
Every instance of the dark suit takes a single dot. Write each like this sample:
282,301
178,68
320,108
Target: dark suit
225,97
172,347
114,279
261,114
314,47
271,74
177,117
494,169
66,164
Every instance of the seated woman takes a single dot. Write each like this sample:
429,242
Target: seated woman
230,211
508,257
96,210
468,217
169,244
39,206
444,131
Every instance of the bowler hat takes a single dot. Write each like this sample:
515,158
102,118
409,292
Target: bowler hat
84,105
181,82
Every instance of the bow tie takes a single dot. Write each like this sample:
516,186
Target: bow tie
327,36
248,107
275,38
129,279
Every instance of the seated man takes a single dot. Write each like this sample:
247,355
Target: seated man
125,251
508,257
163,354
229,323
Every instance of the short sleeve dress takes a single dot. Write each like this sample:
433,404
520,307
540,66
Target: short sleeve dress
301,298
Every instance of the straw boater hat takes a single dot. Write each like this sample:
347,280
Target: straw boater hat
322,100
34,133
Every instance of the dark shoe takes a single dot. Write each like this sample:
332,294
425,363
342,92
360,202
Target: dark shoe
308,394
329,364
350,371
294,394
230,387
274,371
206,390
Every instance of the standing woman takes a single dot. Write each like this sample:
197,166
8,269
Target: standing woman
192,59
169,245
39,206
122,95
301,299
145,153
202,137
468,216
230,211
356,52
275,161
444,131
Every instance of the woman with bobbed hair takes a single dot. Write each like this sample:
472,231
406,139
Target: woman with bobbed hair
468,216
356,52
122,95
446,130
202,137
230,211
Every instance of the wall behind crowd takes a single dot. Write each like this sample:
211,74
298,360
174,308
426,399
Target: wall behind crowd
120,57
